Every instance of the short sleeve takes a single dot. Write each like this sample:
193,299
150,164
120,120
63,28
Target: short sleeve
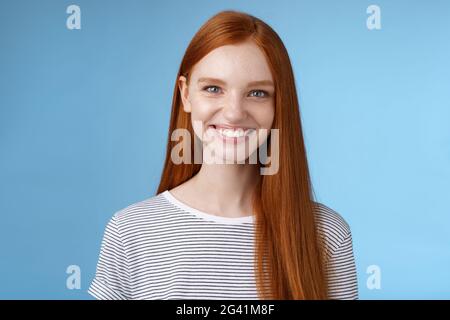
341,270
112,277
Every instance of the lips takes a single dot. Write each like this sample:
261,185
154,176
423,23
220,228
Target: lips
231,132
224,126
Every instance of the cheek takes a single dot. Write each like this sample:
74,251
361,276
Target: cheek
202,109
265,116
201,114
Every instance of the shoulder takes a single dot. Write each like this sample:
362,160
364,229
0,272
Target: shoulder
333,229
145,210
335,234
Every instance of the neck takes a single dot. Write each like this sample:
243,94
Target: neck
228,186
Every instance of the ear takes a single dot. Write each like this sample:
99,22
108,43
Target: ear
184,92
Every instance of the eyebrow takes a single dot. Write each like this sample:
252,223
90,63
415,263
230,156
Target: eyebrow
250,84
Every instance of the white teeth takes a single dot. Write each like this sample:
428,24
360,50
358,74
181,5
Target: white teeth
234,133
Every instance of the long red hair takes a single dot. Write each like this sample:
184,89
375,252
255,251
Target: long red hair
288,253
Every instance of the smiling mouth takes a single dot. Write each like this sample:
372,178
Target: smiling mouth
232,133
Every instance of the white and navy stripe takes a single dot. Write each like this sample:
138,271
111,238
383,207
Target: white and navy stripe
160,248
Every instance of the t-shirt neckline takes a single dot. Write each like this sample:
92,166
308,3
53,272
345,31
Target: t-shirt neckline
205,215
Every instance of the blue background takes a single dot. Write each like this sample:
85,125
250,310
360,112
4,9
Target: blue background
84,117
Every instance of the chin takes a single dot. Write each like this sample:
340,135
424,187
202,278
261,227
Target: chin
232,156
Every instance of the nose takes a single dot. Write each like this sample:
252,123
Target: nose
234,109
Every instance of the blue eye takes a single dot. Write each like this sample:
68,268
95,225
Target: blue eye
216,89
262,94
211,87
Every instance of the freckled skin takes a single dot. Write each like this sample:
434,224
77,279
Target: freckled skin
231,101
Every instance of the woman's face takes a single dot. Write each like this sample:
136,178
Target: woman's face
230,96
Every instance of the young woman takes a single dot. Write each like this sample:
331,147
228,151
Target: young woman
224,230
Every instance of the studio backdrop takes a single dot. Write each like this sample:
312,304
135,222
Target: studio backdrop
85,100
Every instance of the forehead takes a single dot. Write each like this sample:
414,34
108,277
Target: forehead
243,62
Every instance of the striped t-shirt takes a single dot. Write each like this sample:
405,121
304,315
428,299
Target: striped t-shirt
161,248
